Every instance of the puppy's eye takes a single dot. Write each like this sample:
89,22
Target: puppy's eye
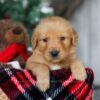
62,38
45,40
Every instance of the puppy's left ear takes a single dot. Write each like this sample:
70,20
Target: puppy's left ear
34,41
74,37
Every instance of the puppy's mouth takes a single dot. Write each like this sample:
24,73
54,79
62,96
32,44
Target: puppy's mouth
56,59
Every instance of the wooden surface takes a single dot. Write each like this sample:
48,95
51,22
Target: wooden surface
86,20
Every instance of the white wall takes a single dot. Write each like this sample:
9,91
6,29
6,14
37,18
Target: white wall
86,20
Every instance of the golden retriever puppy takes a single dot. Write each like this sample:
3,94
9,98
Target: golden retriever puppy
54,47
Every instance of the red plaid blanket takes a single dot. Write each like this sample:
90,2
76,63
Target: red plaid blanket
20,85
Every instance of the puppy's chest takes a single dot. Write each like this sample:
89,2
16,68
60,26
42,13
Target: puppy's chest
55,67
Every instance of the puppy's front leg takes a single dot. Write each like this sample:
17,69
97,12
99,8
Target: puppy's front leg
43,81
78,70
42,73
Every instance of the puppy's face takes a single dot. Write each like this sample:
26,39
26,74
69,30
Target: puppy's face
55,39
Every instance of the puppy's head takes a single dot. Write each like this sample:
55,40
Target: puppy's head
55,39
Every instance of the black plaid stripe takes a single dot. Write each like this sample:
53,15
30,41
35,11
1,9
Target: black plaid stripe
3,74
60,94
34,93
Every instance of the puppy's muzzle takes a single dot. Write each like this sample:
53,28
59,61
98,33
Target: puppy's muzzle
54,53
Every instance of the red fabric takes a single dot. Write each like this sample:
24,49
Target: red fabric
20,85
12,51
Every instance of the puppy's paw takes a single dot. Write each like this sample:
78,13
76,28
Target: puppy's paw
79,75
78,71
43,84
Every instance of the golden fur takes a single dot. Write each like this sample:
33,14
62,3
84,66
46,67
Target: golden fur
54,33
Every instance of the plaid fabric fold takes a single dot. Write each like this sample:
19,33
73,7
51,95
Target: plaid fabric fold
20,85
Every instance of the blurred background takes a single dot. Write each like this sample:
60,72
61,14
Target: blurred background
83,14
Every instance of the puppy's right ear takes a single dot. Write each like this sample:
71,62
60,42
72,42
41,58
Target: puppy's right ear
74,37
34,41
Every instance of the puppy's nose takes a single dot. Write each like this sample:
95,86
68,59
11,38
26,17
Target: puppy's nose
54,53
